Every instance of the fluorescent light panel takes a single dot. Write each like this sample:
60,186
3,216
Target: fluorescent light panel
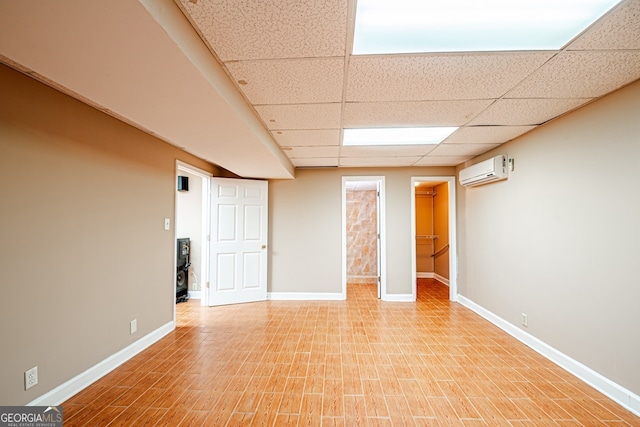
396,136
414,26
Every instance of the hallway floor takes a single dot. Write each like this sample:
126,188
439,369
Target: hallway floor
360,362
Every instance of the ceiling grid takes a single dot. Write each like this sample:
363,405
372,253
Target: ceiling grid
293,62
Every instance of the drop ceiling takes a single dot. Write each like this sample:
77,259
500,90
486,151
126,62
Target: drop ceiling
274,83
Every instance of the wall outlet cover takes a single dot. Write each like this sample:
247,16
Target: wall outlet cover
30,378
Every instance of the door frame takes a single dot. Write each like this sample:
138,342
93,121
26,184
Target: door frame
453,250
382,243
204,250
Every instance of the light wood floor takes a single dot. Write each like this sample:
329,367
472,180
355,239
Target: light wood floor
360,362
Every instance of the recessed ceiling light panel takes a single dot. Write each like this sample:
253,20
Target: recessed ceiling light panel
414,26
396,136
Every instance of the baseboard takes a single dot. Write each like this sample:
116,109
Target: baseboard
430,275
195,294
614,391
398,298
305,296
441,279
81,381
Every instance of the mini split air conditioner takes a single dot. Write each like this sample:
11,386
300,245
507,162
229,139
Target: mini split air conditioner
490,170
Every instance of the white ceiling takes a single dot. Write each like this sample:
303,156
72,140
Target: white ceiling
276,84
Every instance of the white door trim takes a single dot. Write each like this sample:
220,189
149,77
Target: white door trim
453,250
382,286
204,250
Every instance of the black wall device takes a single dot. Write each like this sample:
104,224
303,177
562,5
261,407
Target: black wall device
183,183
182,269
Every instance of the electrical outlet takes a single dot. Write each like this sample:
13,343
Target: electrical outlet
134,326
525,320
30,378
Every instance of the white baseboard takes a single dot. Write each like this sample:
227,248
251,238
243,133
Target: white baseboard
398,298
430,275
614,391
195,294
81,381
305,296
441,279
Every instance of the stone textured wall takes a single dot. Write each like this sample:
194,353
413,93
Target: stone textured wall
362,230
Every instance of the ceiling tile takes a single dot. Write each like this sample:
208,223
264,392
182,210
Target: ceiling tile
438,77
442,160
385,150
315,162
580,75
486,134
265,29
303,152
525,111
301,116
411,113
305,138
291,81
618,30
461,149
378,161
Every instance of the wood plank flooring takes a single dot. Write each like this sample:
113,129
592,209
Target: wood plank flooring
360,362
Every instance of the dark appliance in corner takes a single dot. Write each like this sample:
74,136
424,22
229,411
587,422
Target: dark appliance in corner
182,269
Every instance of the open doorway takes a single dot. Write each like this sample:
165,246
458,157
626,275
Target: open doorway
433,226
192,226
363,238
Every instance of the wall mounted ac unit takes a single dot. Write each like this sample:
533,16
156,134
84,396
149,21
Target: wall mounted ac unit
490,170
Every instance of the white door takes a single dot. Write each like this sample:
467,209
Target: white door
238,267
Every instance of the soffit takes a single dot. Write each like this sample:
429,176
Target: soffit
115,56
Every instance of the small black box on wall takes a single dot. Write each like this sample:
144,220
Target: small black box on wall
183,183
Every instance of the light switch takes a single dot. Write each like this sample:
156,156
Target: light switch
167,223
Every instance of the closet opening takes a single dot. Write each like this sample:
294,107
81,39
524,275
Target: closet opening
433,228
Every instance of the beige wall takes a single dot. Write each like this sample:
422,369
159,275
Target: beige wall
559,240
83,199
305,218
441,229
